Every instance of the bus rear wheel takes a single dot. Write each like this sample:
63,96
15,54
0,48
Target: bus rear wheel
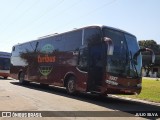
44,85
71,85
5,77
21,79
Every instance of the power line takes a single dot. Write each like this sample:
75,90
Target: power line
18,18
44,13
77,19
11,12
26,11
48,10
63,11
80,17
87,14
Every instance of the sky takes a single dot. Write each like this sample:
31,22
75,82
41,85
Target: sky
26,20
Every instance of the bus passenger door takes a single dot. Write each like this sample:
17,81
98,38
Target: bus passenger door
96,66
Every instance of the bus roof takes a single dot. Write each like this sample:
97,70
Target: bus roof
100,26
118,30
75,29
5,55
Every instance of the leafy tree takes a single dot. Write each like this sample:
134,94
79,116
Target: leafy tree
150,44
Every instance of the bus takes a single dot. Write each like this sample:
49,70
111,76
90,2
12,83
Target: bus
5,64
93,59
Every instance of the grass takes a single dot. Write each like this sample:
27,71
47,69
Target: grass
150,90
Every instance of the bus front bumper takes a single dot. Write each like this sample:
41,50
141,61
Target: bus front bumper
121,90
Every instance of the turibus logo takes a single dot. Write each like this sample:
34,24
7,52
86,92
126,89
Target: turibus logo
46,59
44,68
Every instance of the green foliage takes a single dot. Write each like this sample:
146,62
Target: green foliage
150,44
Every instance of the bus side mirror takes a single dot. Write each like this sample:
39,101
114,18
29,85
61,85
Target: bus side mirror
142,50
153,55
110,45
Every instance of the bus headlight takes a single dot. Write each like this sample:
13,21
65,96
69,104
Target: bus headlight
139,85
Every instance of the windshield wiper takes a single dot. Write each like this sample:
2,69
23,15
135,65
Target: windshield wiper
133,64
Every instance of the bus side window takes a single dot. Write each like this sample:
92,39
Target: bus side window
92,36
83,59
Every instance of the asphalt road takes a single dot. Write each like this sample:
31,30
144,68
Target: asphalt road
52,101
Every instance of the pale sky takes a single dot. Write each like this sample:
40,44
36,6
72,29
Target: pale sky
26,20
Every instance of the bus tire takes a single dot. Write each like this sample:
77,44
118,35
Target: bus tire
21,79
102,96
5,77
71,86
44,85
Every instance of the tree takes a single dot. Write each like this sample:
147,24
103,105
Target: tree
150,44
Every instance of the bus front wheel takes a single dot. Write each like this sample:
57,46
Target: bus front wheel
71,86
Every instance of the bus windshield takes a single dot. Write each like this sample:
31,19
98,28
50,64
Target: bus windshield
125,46
133,47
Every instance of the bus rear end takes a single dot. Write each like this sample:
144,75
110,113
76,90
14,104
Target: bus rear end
4,64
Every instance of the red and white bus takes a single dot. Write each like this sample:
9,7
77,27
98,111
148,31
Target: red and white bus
5,64
95,59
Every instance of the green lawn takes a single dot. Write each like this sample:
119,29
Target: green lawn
150,90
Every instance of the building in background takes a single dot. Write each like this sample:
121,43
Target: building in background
149,70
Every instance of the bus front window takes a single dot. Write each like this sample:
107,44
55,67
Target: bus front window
117,63
135,69
121,61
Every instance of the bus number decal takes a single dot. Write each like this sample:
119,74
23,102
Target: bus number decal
112,80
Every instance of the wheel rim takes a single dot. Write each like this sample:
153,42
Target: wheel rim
71,87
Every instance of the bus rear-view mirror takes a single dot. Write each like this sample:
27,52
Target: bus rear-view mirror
143,50
110,45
